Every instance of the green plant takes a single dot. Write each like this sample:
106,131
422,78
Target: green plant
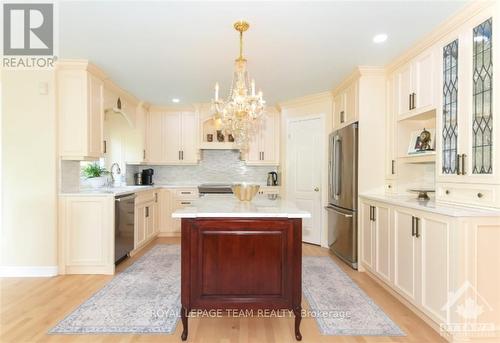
93,170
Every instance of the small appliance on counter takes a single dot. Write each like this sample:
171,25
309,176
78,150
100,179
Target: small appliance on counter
272,179
138,179
147,176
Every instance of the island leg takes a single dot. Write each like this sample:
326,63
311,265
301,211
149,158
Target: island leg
184,313
298,317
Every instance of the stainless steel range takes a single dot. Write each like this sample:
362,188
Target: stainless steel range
214,188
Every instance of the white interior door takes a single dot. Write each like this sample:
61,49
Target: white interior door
303,168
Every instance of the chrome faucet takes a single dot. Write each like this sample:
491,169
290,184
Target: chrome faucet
118,171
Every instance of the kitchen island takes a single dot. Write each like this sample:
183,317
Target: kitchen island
241,256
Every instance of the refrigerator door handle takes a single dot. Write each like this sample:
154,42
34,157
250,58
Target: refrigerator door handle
338,212
338,176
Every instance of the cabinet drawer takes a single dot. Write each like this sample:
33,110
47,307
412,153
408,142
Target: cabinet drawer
146,196
469,194
269,190
186,193
183,203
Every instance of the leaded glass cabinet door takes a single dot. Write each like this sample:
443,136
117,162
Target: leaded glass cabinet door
449,119
482,99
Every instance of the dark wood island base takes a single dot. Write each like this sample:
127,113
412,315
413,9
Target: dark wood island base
241,264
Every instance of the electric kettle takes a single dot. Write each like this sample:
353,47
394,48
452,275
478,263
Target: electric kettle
272,179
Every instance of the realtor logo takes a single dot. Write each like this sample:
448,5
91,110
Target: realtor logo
469,305
28,29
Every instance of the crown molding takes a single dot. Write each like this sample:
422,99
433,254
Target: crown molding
305,100
359,71
80,64
449,25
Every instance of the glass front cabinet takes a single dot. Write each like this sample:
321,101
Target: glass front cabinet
467,114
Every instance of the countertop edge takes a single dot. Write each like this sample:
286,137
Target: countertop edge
442,209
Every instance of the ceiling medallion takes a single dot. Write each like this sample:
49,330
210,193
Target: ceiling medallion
241,114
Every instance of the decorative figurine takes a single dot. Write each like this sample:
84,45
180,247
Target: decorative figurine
210,137
220,136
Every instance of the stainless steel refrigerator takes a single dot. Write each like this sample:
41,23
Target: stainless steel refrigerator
343,194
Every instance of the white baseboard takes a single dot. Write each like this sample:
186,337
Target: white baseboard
24,271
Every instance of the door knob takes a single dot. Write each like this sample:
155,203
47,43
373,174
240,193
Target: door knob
316,189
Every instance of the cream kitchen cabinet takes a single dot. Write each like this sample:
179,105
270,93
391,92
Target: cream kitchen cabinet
415,85
80,110
263,149
467,139
172,137
180,198
146,217
428,258
86,234
345,105
376,244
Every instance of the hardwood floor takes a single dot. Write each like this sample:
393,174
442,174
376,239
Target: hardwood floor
30,307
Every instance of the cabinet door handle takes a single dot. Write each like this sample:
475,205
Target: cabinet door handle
457,167
342,116
371,213
104,147
393,167
374,215
147,211
185,192
413,106
417,234
144,154
156,197
409,101
412,226
463,164
185,203
263,156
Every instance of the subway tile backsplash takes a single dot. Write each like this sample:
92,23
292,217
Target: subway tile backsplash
214,166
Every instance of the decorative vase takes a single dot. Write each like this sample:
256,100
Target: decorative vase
210,137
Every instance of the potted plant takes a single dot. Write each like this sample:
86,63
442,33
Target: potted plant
95,175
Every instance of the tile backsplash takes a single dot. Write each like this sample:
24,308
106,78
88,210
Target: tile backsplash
214,166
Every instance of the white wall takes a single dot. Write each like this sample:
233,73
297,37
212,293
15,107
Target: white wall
29,174
320,104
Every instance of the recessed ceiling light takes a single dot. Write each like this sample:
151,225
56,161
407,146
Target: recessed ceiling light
175,100
380,38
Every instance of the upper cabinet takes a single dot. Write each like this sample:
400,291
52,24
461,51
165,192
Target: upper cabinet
468,141
263,149
345,104
80,110
172,137
415,86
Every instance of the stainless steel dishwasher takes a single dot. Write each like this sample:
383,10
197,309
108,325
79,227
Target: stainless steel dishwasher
124,225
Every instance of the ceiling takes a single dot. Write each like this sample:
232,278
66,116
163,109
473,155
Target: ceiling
164,50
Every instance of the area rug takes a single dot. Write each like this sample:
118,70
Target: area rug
339,306
144,299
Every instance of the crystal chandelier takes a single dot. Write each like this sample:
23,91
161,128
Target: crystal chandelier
241,114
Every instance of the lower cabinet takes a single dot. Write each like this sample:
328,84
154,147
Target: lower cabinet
375,245
146,217
86,234
433,261
171,200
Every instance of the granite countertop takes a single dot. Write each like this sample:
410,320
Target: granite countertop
228,206
431,205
